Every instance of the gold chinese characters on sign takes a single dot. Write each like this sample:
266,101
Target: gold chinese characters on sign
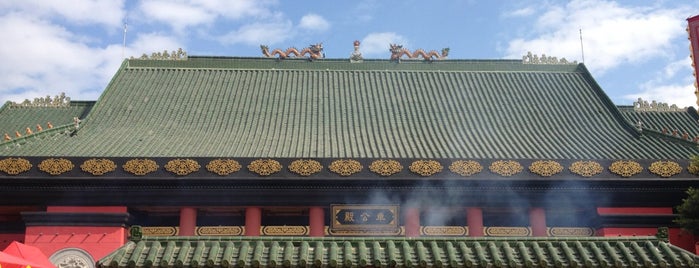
586,168
665,168
98,167
140,167
465,168
546,168
14,166
505,167
182,166
426,167
223,167
305,167
385,167
345,167
265,167
625,168
364,217
56,166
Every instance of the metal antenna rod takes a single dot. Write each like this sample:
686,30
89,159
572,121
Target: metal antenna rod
582,50
123,47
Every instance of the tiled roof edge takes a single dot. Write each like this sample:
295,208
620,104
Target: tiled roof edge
669,137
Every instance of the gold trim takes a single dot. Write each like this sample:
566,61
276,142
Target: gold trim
665,169
223,166
465,168
182,166
625,168
56,166
505,167
98,167
345,167
140,167
546,168
159,231
265,167
385,167
349,232
285,230
305,167
426,167
14,166
571,231
507,231
585,168
443,231
219,230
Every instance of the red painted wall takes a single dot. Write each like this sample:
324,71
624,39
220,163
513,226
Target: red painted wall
6,239
634,210
98,241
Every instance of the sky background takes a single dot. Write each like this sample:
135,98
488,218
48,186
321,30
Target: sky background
634,48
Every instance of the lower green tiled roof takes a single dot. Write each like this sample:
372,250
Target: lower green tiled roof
398,252
19,118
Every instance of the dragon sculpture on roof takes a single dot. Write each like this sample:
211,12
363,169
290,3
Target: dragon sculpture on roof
397,51
314,51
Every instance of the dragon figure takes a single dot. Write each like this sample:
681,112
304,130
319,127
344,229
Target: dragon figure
397,51
314,51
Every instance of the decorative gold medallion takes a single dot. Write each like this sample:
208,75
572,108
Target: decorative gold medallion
426,167
546,168
305,167
98,167
443,231
14,166
625,168
665,168
265,167
465,168
219,230
505,167
159,230
385,167
182,166
345,167
571,231
507,231
56,166
223,166
284,230
140,167
586,168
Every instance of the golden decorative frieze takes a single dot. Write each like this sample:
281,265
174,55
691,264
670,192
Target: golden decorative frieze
425,167
219,230
507,231
265,167
358,232
98,167
546,168
182,166
223,167
443,231
159,231
625,168
465,168
506,167
345,167
305,167
385,167
14,166
56,166
284,230
571,231
140,167
586,168
665,168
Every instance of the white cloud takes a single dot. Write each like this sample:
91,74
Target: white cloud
612,34
188,13
522,12
106,12
314,22
377,44
673,84
259,33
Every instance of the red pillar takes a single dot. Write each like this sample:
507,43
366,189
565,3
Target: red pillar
316,222
253,221
188,221
537,221
412,222
474,219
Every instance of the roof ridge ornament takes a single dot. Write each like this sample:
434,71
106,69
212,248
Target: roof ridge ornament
356,55
535,59
60,100
178,54
314,51
644,106
397,51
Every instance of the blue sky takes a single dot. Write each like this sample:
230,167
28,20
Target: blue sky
633,48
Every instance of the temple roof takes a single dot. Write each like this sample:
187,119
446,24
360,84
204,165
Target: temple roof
227,251
331,108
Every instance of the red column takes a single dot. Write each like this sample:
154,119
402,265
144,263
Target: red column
474,219
412,222
537,221
316,222
253,221
188,221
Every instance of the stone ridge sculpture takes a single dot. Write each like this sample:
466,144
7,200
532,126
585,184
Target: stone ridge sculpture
397,51
314,51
